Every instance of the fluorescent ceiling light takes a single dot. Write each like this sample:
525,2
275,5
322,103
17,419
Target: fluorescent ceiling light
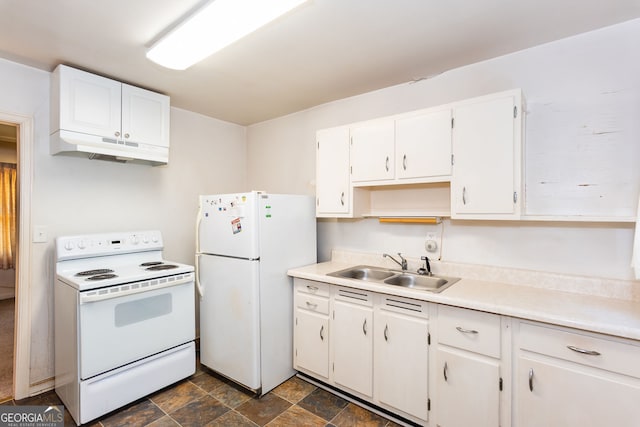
215,26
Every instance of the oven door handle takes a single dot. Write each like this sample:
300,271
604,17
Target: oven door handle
132,289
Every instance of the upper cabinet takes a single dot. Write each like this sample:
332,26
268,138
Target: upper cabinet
462,160
372,151
101,116
423,145
487,157
406,149
335,196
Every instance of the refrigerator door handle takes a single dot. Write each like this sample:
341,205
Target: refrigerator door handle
197,261
198,285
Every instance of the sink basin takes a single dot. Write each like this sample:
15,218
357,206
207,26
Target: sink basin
363,272
396,278
415,281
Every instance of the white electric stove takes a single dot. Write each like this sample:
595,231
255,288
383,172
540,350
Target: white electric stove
124,321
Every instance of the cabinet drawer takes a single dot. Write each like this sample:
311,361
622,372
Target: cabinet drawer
312,303
469,330
586,349
313,288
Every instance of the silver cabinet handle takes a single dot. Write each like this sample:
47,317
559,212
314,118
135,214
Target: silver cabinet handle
583,351
321,333
444,371
466,331
364,327
342,198
116,133
531,379
464,195
386,332
312,305
386,164
126,135
312,288
404,162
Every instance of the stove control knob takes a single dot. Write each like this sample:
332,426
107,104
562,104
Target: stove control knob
135,240
155,238
81,244
69,245
145,239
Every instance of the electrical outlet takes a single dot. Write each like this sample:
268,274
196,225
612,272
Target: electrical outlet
431,245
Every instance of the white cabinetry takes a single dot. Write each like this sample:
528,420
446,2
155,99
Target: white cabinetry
333,186
469,369
372,150
114,118
311,328
487,138
401,357
352,340
572,378
423,146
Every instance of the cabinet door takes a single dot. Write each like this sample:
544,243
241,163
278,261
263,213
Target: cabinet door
486,158
145,116
468,390
332,171
89,104
311,343
352,332
372,151
423,145
559,394
401,352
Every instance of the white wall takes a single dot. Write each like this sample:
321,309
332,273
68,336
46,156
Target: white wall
74,195
583,105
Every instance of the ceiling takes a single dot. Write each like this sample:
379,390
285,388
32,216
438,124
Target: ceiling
322,51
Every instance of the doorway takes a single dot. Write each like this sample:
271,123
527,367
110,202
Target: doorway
8,254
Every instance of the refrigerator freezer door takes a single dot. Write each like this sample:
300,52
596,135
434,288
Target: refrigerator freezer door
228,225
229,318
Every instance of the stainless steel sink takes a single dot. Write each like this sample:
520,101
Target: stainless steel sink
416,281
363,272
396,278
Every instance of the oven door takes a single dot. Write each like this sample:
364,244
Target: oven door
121,324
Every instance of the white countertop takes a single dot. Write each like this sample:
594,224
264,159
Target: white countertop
617,317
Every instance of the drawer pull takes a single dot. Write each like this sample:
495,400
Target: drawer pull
444,371
312,288
531,379
312,305
321,333
583,351
466,331
386,332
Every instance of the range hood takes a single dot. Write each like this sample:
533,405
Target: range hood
100,148
101,118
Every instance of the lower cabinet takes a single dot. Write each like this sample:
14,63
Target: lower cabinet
311,328
483,369
373,346
569,378
352,340
401,356
469,366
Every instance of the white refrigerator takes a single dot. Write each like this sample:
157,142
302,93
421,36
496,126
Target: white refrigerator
246,242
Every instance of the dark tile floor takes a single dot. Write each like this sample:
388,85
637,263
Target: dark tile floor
206,399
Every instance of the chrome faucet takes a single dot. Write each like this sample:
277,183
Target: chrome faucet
402,264
426,269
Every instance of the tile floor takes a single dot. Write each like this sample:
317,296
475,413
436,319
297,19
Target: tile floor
206,399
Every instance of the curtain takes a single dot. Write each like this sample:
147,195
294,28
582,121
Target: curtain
8,187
